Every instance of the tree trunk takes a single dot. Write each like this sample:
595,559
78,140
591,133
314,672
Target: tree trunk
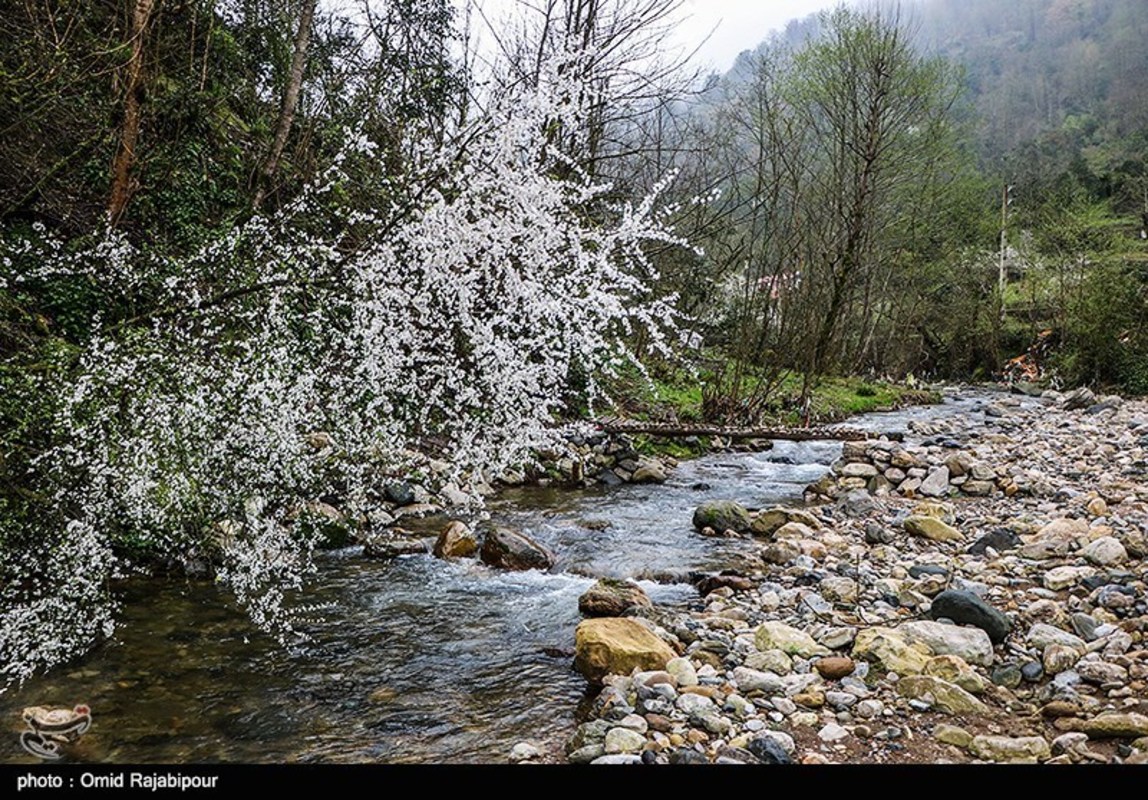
133,102
290,102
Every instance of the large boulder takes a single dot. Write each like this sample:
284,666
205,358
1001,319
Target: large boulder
932,528
936,484
1079,399
610,597
954,669
891,651
400,493
722,515
616,646
968,609
1010,750
332,525
1116,725
456,541
947,697
970,644
649,471
766,523
790,640
507,549
392,543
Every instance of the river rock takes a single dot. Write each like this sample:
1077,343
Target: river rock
1106,551
1101,672
524,751
456,541
649,471
1063,530
795,531
617,759
610,597
1062,577
682,671
1006,749
507,549
975,488
1115,725
779,636
400,493
1079,399
890,651
937,509
694,703
947,697
774,661
951,734
1041,636
768,750
835,667
1001,540
936,484
839,590
1059,658
956,670
932,528
832,733
970,644
781,553
687,755
1007,675
722,515
752,680
392,543
616,646
858,470
624,740
739,583
968,609
857,503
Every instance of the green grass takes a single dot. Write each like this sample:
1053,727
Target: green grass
675,448
677,395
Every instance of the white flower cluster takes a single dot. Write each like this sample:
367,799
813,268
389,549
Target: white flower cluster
453,325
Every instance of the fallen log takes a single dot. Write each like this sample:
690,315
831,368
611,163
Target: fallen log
616,425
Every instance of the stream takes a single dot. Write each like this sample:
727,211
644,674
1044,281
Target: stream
417,659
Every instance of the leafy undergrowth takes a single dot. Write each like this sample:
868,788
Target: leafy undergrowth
676,396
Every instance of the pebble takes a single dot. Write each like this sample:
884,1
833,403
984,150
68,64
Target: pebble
835,667
524,751
832,733
617,759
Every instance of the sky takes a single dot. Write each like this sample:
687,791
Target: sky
740,25
731,25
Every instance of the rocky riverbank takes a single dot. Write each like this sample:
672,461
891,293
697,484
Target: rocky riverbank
911,617
382,525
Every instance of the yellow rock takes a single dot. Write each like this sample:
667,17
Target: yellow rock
890,651
617,645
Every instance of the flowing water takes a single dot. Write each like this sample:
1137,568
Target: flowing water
417,659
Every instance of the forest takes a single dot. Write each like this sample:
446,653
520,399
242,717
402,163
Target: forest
260,253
